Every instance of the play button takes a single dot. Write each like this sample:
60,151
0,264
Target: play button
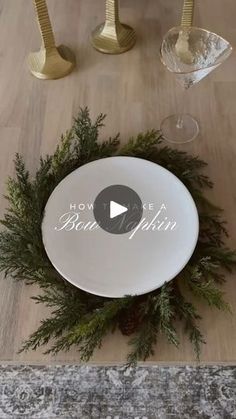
118,209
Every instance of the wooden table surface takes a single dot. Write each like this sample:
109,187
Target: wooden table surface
136,92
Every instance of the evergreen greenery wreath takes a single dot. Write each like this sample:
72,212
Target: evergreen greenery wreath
82,319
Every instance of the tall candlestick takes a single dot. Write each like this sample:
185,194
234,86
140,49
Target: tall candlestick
50,62
187,13
113,37
182,45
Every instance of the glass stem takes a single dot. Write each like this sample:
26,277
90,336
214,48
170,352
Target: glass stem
180,121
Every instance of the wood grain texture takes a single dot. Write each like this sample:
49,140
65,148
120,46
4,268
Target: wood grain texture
136,92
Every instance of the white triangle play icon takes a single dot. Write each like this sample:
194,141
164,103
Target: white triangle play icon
116,209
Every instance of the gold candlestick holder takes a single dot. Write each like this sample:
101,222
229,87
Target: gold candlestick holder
113,37
182,45
187,13
50,62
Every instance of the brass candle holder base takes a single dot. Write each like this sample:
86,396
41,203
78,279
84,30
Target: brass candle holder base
51,63
112,38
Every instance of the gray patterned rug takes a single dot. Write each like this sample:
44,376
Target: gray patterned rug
87,392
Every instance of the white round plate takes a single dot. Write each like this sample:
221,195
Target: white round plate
115,265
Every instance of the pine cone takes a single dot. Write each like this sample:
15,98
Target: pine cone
130,321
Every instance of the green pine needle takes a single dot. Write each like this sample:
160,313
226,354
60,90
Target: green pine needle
82,319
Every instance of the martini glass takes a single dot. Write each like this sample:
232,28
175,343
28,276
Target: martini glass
191,54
